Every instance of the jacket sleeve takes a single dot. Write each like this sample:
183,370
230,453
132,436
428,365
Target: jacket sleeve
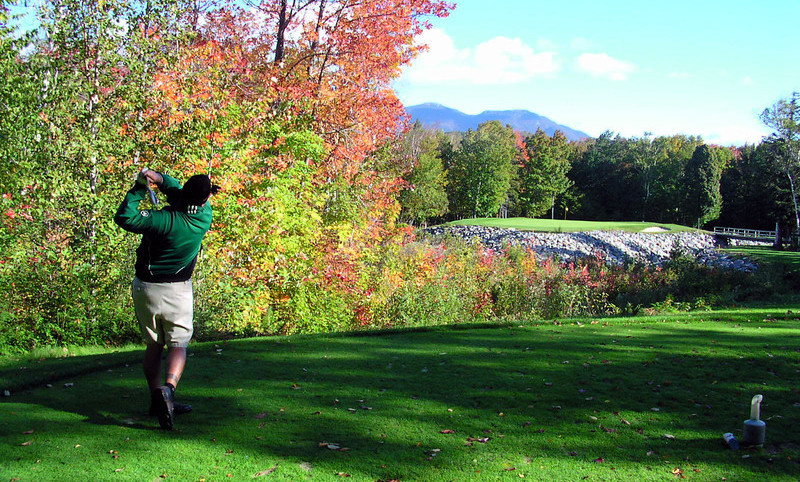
129,217
171,188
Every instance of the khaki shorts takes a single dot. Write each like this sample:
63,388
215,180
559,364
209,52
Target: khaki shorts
164,311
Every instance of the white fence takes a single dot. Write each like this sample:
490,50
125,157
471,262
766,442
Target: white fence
745,233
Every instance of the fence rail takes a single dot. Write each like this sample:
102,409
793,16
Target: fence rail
745,233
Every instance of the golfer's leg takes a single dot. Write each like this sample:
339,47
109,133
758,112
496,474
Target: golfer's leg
152,365
176,360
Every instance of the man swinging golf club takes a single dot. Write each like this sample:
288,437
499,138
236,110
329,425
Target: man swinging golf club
162,288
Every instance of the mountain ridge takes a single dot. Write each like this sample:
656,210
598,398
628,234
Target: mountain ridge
432,114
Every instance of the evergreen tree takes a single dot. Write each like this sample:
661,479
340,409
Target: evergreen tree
606,186
755,192
703,201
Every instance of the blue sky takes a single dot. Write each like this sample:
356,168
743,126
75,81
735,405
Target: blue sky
700,67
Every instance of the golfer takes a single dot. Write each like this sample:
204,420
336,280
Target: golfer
162,289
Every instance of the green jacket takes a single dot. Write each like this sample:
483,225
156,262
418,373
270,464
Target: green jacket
171,237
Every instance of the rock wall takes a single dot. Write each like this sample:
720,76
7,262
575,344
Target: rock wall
617,247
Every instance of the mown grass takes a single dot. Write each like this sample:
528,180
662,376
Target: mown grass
644,398
768,255
565,226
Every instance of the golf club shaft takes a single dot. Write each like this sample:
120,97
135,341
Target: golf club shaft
153,198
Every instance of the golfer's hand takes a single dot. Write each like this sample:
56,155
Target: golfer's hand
148,176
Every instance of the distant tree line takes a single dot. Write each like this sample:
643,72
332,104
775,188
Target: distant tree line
494,171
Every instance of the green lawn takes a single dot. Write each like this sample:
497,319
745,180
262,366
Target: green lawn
768,255
558,226
613,399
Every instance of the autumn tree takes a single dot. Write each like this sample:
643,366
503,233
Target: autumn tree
288,104
69,161
543,174
294,97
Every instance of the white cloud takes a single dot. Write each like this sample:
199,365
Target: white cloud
500,60
736,134
747,80
603,65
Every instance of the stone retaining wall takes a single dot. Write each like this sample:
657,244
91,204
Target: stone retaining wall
617,247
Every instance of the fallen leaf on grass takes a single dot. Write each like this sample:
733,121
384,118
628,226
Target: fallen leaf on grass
573,453
482,440
510,469
598,460
26,443
342,474
260,415
678,473
27,432
266,472
448,431
625,421
668,436
118,470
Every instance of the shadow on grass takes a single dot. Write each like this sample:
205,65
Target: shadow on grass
615,399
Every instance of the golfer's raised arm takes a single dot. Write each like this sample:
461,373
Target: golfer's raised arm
171,188
129,217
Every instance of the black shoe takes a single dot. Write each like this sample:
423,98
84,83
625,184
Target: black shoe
164,408
178,408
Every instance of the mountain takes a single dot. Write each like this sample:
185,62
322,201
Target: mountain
449,120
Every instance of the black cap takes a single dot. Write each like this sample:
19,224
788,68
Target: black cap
197,190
